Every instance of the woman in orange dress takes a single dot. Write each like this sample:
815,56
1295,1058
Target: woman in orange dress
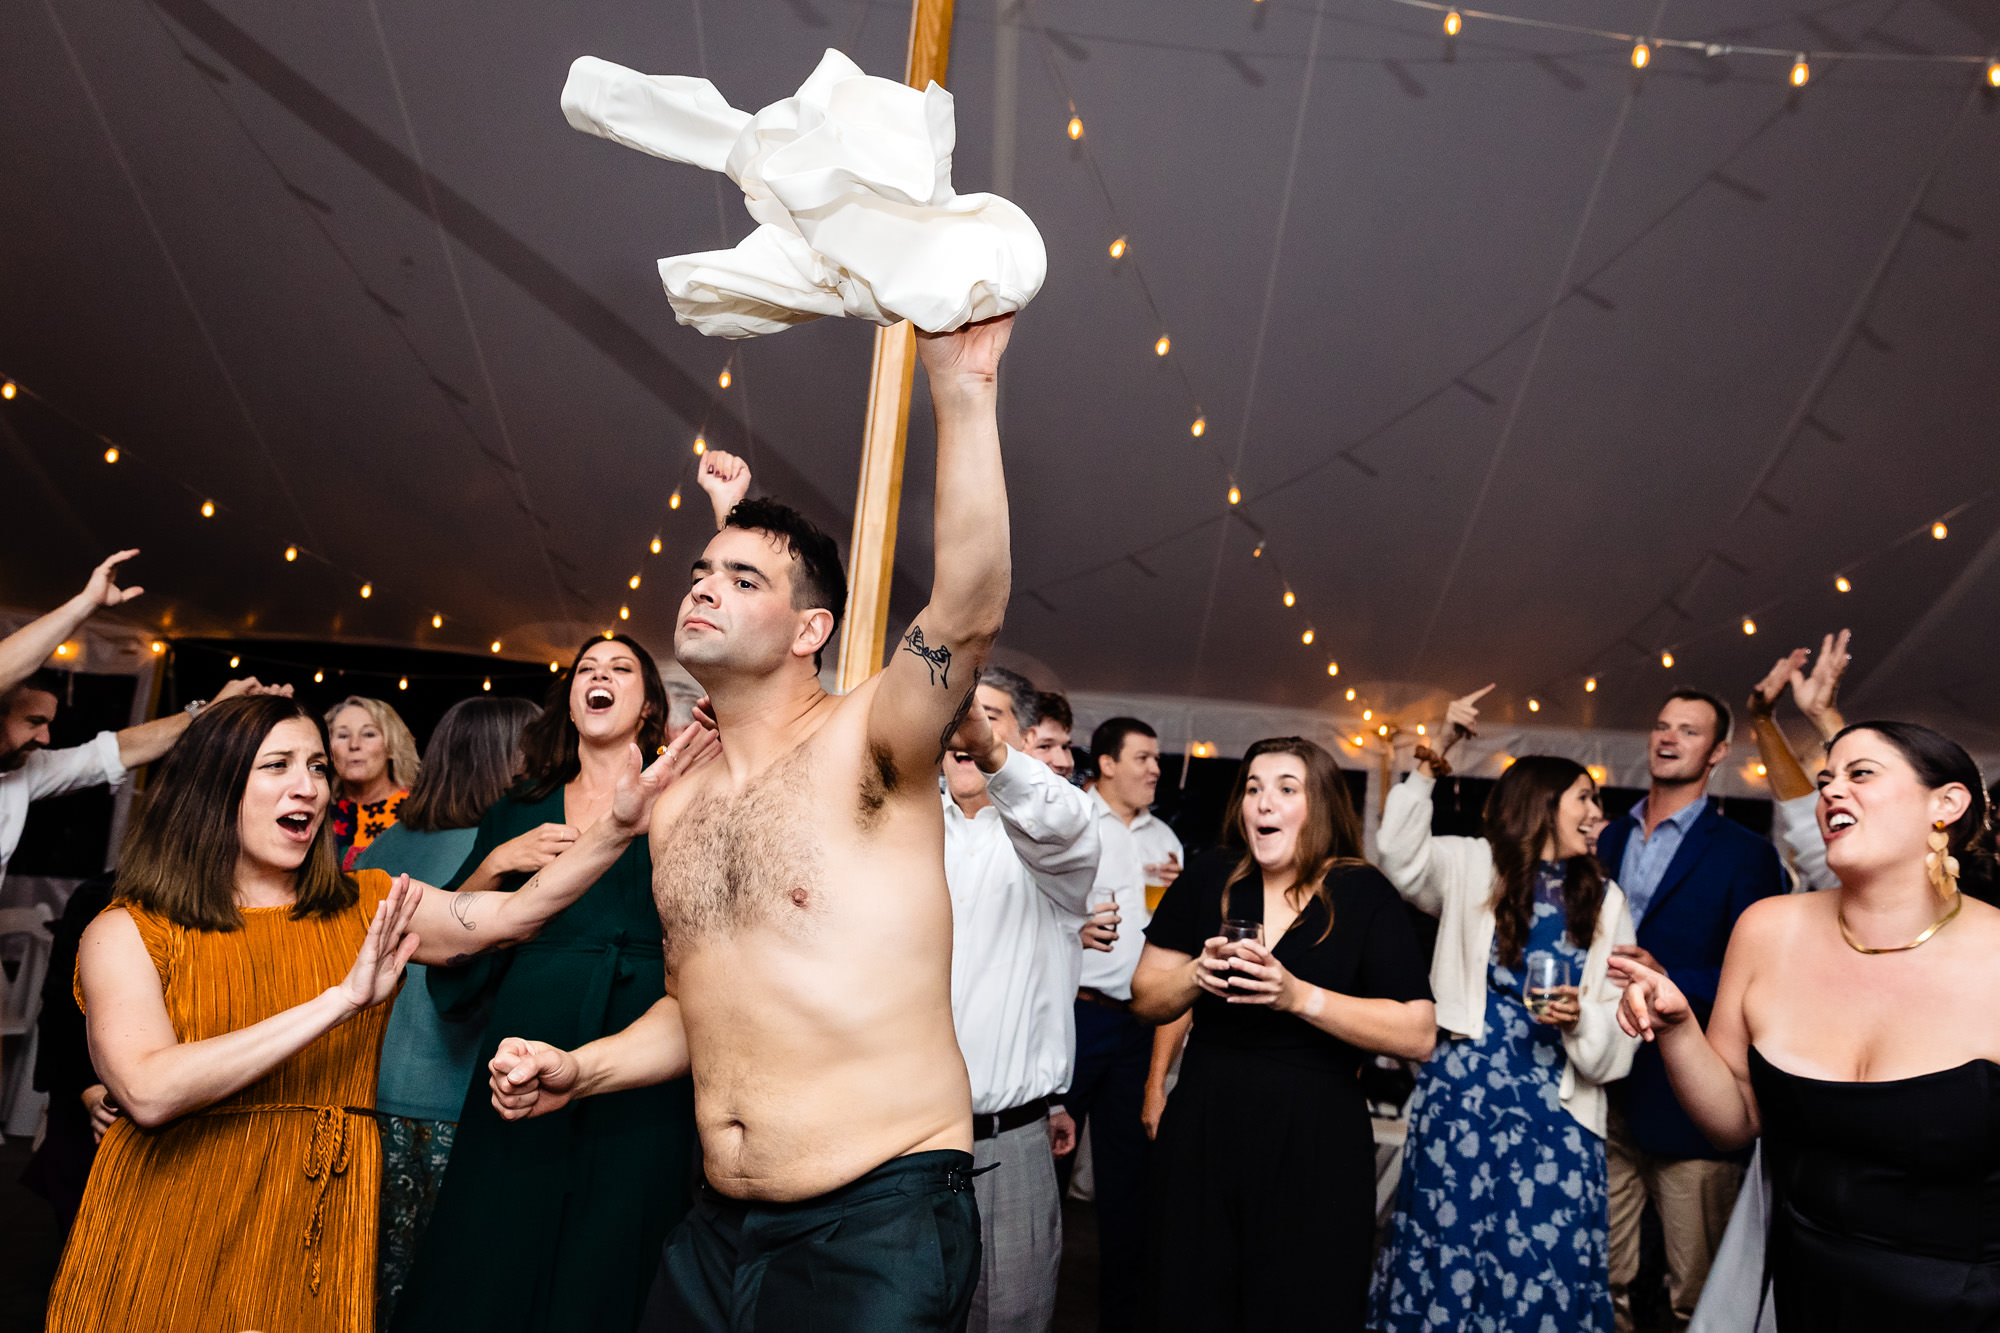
234,998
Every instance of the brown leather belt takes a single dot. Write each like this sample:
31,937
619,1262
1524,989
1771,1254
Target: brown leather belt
992,1124
1091,995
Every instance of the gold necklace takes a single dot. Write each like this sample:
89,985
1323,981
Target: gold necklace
1958,901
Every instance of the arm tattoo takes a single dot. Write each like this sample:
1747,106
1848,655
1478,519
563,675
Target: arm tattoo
938,659
461,910
957,717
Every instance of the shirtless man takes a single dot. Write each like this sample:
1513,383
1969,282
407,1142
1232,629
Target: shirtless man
802,896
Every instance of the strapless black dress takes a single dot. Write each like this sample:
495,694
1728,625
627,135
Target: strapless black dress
1885,1201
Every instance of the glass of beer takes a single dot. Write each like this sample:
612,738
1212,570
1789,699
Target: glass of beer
1540,977
1154,891
1234,929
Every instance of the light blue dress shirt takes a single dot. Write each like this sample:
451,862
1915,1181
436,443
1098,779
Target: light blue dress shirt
1646,859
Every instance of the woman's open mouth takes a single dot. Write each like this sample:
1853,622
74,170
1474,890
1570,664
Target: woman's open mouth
298,825
597,699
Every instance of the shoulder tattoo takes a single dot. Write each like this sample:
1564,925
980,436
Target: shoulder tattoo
938,659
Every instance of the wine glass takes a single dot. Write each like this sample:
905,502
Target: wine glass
1235,929
1540,976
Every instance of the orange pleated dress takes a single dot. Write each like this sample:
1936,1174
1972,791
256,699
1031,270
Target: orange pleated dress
258,1212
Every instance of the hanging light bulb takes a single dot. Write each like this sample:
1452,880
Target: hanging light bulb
403,684
234,662
1642,56
111,454
158,647
1590,684
1118,248
656,546
367,590
1421,731
723,378
1367,715
318,676
1291,598
1161,347
1199,426
1350,696
437,622
1235,496
700,445
208,509
1257,550
1360,740
1667,660
1382,730
1452,23
554,667
1800,71
8,390
1992,81
1306,637
674,500
624,613
1534,705
1840,583
632,582
291,554
1333,668
1762,771
1076,127
486,684
493,647
1939,531
1749,625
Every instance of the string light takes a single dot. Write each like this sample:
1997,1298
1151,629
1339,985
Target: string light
1590,684
1161,347
1939,531
554,667
1361,740
1382,730
437,622
1749,625
1333,669
1367,715
1453,22
1306,637
493,647
1800,70
8,390
1421,731
1291,598
1257,550
624,613
1534,705
656,546
235,662
1350,696
633,581
1199,426
111,454
700,445
208,509
1642,56
158,647
1236,497
291,554
1841,584
1667,660
1762,771
723,378
486,684
1992,81
1118,248
674,500
1598,774
403,684
1076,127
367,590
63,650
318,677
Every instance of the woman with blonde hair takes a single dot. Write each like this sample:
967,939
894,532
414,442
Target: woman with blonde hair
1857,1030
375,764
1502,1215
1264,1202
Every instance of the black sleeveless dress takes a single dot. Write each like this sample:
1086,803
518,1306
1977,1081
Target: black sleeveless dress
1885,1200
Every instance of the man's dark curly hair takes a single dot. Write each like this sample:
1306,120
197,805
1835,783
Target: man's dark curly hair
818,582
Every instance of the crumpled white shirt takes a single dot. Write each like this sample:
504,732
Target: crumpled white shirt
849,180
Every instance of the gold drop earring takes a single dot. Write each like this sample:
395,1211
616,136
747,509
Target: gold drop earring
1943,866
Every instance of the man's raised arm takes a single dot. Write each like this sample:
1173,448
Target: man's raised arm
31,645
930,674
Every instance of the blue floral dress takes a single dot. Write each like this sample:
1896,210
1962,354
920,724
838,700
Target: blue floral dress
1501,1215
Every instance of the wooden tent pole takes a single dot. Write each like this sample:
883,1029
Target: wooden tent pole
879,494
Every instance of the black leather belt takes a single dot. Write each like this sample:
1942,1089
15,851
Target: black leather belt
992,1124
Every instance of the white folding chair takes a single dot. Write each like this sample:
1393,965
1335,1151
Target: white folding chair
25,943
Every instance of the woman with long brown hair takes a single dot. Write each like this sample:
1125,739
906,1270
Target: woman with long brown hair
1265,1159
601,1183
234,1000
1501,1217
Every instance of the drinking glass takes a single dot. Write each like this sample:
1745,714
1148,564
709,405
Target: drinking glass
1235,929
1540,977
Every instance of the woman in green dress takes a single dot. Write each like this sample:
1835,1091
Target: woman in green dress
567,1211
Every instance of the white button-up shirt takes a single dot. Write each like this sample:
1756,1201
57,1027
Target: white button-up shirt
1121,877
1020,873
51,773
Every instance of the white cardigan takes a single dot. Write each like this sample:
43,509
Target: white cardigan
1452,879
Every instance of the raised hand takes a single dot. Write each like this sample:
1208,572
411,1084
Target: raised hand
1764,694
638,787
974,736
1651,1003
1461,716
385,950
726,478
102,588
968,355
530,1078
1815,693
247,686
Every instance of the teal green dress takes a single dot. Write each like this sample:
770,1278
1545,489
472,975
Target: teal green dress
556,1223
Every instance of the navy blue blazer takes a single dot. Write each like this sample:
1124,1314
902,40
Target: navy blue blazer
1719,869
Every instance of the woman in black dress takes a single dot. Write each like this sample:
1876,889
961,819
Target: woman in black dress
1265,1159
1858,1029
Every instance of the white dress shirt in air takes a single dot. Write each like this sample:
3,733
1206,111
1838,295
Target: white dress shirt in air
51,773
1020,873
1121,876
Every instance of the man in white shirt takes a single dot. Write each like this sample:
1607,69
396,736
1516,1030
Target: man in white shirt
1114,1049
29,697
1020,854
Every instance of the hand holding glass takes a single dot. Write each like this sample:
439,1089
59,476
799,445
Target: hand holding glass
1235,930
1541,977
